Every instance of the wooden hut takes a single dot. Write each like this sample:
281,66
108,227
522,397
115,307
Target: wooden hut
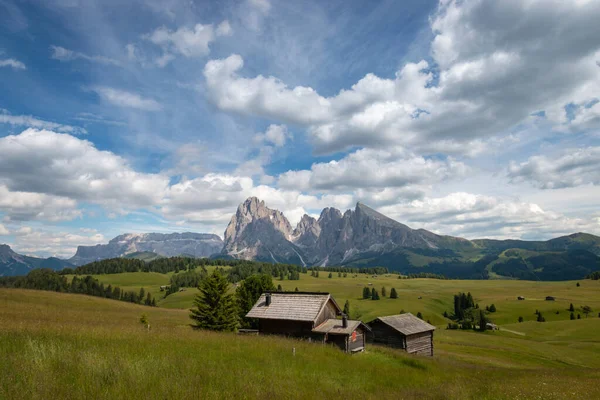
348,335
550,298
520,298
404,331
293,314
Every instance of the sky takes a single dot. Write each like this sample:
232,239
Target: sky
473,118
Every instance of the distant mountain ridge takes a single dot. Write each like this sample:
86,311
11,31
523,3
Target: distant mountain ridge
166,245
12,263
365,237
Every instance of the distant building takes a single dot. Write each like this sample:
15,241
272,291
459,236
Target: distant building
491,327
308,315
520,298
550,298
404,331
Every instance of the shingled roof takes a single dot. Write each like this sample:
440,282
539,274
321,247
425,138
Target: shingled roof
407,324
334,327
294,306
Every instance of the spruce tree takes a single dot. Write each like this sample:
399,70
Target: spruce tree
572,316
419,315
215,309
393,294
578,316
482,321
148,301
141,295
279,288
520,319
571,308
492,308
373,291
383,292
347,308
330,275
248,293
366,293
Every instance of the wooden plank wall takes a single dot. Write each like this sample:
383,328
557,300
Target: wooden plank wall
328,312
384,334
420,343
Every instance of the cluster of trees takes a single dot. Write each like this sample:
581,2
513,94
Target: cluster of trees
467,313
373,294
50,280
353,270
186,279
429,275
242,270
119,265
594,276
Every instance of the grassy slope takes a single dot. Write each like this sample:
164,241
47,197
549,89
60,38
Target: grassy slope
70,346
436,295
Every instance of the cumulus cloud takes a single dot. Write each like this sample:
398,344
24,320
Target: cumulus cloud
122,98
369,168
189,42
478,216
3,230
27,206
496,66
62,54
44,162
11,62
30,121
275,134
47,243
574,167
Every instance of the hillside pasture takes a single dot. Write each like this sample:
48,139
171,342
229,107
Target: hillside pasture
57,345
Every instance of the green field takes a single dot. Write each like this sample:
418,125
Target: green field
55,345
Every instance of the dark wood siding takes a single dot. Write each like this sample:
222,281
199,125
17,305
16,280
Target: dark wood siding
420,343
286,328
384,334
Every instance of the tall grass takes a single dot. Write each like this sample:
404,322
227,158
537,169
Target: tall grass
61,346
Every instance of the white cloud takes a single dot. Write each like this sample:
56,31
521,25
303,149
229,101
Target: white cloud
497,65
47,243
62,54
368,168
27,206
48,163
275,134
3,230
189,42
11,62
123,98
573,167
29,121
477,216
224,29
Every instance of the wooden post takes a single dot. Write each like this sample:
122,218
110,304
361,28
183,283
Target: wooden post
294,351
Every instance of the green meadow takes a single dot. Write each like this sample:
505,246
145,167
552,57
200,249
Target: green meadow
56,345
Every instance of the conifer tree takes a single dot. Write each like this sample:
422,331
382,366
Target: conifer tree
366,293
373,291
419,315
296,290
383,291
279,288
148,301
571,308
141,295
492,308
393,294
153,302
330,275
520,319
572,316
215,309
347,308
578,316
482,321
248,293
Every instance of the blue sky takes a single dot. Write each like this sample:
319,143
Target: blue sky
473,118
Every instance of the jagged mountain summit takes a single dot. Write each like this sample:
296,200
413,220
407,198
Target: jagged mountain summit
365,237
167,245
260,233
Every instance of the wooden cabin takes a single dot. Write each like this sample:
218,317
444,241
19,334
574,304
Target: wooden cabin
550,298
293,314
348,335
403,331
520,298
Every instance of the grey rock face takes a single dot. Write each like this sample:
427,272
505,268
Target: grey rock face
12,263
167,245
256,232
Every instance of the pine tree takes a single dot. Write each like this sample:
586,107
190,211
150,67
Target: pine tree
215,309
383,292
492,308
578,316
279,288
393,294
419,315
330,275
445,314
148,301
586,310
578,284
572,316
373,291
141,295
482,321
153,302
248,292
540,318
571,308
347,307
366,293
296,290
281,276
339,274
520,319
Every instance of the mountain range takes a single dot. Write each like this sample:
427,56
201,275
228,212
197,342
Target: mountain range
360,237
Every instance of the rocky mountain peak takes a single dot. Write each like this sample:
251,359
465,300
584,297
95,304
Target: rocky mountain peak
5,249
